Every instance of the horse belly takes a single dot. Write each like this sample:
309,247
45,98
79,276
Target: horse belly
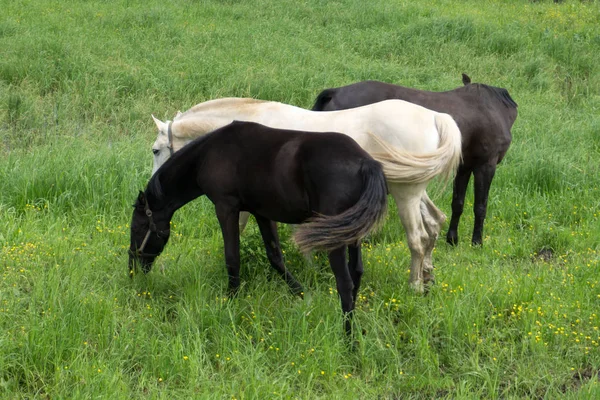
285,210
278,200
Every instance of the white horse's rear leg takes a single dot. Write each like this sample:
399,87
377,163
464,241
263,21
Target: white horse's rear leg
408,199
433,219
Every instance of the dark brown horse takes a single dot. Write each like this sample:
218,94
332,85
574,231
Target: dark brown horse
484,115
323,179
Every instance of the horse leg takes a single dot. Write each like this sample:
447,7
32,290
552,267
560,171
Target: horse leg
344,283
244,215
433,218
355,266
408,199
458,202
483,175
228,219
268,230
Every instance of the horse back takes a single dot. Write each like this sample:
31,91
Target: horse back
354,95
484,114
250,165
280,174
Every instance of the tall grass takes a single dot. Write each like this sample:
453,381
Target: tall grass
517,318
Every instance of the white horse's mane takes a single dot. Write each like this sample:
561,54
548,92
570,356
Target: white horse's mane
219,105
210,115
190,128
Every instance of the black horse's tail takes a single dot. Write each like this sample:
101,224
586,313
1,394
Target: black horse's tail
330,232
323,99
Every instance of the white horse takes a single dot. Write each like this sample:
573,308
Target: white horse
414,145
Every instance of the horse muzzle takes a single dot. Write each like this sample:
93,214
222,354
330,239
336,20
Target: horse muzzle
144,260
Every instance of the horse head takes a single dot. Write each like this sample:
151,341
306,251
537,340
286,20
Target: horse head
149,235
162,148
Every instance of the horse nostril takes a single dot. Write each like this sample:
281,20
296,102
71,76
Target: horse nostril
155,151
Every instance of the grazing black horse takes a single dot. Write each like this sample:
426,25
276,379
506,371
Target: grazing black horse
484,115
322,179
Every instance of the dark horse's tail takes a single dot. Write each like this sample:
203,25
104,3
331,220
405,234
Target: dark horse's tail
330,232
322,99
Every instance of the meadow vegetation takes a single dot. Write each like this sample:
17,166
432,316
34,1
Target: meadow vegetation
516,318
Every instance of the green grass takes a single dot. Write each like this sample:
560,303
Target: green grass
517,318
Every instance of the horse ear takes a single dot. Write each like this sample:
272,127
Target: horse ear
466,79
141,200
159,124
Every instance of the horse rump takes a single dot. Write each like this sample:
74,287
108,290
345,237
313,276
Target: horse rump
326,232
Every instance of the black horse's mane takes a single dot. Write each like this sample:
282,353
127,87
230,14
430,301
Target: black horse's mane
501,94
155,187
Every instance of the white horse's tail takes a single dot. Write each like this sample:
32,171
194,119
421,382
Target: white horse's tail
401,166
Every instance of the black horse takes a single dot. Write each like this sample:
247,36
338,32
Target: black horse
484,115
323,179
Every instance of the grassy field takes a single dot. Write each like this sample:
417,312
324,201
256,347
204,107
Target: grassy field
516,318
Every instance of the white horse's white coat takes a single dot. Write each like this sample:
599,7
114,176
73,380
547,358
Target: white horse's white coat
413,143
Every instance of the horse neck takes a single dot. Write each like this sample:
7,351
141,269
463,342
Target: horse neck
173,192
221,112
207,118
269,113
227,107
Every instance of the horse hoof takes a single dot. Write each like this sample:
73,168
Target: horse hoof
452,240
429,279
417,287
296,289
476,243
428,285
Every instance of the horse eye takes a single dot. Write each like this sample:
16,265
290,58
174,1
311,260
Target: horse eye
155,151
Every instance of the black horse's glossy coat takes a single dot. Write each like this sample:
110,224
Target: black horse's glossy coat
484,115
323,179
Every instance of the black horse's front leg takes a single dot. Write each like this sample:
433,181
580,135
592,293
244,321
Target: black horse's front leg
345,285
228,219
268,230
